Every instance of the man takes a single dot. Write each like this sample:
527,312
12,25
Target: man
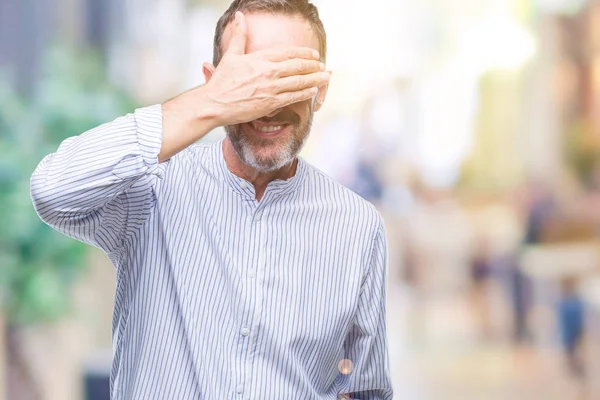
242,271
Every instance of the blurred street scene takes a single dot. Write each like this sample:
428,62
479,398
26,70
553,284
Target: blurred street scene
473,126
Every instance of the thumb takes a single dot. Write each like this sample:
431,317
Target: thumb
237,45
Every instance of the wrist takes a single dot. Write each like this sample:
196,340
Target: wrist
194,109
207,112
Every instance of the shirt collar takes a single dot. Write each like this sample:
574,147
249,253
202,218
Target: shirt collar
246,189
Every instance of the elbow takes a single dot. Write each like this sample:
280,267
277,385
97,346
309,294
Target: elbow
40,197
44,198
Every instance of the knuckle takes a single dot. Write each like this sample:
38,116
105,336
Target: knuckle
274,87
272,71
266,73
267,87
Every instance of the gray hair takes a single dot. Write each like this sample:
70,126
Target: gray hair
302,8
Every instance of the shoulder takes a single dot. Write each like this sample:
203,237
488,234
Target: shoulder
199,154
342,199
201,150
193,165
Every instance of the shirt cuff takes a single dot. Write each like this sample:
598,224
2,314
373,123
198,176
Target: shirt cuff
143,144
149,133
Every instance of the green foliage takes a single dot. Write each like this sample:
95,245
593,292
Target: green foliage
37,264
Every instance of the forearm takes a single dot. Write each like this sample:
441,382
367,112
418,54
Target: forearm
186,119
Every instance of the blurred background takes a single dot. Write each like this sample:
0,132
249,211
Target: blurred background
474,127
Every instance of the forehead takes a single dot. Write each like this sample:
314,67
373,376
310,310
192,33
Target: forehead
274,30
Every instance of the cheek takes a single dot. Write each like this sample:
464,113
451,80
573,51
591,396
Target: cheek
303,109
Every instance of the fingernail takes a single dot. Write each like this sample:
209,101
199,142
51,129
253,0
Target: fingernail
322,66
325,76
316,55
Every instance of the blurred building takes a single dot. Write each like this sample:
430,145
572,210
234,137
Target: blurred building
28,28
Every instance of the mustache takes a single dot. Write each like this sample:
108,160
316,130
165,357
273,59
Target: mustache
283,117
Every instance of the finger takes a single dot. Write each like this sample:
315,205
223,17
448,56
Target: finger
237,44
285,99
298,66
277,54
301,82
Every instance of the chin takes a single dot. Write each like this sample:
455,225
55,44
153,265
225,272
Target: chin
265,154
267,159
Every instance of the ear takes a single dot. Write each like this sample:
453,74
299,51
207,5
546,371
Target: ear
321,95
208,70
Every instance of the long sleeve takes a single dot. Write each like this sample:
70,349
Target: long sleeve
98,186
366,344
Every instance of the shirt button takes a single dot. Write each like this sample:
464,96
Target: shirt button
252,273
245,331
257,216
239,389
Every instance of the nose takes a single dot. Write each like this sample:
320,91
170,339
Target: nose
274,113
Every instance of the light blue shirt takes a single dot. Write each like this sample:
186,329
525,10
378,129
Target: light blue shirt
220,296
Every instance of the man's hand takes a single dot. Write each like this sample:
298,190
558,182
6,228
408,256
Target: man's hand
244,87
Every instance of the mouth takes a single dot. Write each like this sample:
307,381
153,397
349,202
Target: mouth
267,130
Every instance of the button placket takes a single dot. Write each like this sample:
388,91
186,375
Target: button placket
252,299
257,272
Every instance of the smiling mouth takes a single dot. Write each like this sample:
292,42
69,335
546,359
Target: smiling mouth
267,129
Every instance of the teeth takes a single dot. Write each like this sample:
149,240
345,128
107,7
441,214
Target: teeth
268,129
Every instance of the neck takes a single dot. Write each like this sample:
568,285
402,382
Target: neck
259,180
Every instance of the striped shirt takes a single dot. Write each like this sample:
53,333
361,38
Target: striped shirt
220,296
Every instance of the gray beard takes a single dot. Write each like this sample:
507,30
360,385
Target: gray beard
288,150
